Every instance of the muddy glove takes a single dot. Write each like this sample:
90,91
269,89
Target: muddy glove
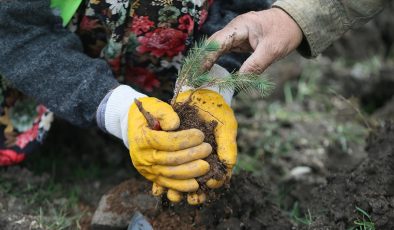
170,159
212,106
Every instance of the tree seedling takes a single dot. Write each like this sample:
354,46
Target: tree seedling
193,75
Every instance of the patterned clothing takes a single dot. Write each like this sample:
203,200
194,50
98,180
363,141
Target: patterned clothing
23,124
143,41
146,40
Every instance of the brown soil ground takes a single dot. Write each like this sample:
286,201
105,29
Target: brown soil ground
369,186
247,202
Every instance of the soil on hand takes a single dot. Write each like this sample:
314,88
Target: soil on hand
190,119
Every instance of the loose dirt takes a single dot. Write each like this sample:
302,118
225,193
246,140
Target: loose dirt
369,186
190,119
248,202
245,204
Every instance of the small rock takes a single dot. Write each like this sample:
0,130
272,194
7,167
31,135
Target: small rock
117,207
299,171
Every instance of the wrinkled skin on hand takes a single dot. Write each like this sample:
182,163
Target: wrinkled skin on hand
169,159
269,35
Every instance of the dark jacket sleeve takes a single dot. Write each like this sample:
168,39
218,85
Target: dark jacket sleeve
46,62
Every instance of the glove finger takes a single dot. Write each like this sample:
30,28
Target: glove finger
184,171
172,141
174,196
189,185
213,183
226,144
229,173
182,156
161,111
157,190
196,199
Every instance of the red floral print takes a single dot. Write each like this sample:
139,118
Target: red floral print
141,24
186,23
26,137
162,41
142,77
10,157
88,24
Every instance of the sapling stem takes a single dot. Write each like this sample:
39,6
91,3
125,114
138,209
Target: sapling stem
152,121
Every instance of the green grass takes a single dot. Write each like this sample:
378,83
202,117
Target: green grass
296,216
54,205
364,222
346,133
59,218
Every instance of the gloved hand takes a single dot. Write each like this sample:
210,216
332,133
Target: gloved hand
169,159
212,106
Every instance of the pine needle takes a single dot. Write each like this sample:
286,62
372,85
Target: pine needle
193,63
191,74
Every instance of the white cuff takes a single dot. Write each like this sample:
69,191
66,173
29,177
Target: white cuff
117,110
218,72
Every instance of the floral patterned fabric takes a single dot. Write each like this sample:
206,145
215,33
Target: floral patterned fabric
23,125
144,42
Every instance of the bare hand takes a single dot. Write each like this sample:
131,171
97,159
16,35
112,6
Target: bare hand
269,34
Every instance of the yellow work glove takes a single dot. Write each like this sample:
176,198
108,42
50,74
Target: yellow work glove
170,159
212,106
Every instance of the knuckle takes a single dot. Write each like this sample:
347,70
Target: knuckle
241,18
251,15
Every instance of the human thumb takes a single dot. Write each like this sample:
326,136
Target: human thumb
163,112
260,59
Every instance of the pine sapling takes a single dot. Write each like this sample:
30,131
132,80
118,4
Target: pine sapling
193,76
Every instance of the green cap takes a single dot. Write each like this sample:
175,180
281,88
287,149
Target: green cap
67,8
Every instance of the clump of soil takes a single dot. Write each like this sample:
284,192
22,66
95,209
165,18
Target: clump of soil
121,197
247,205
369,186
189,119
